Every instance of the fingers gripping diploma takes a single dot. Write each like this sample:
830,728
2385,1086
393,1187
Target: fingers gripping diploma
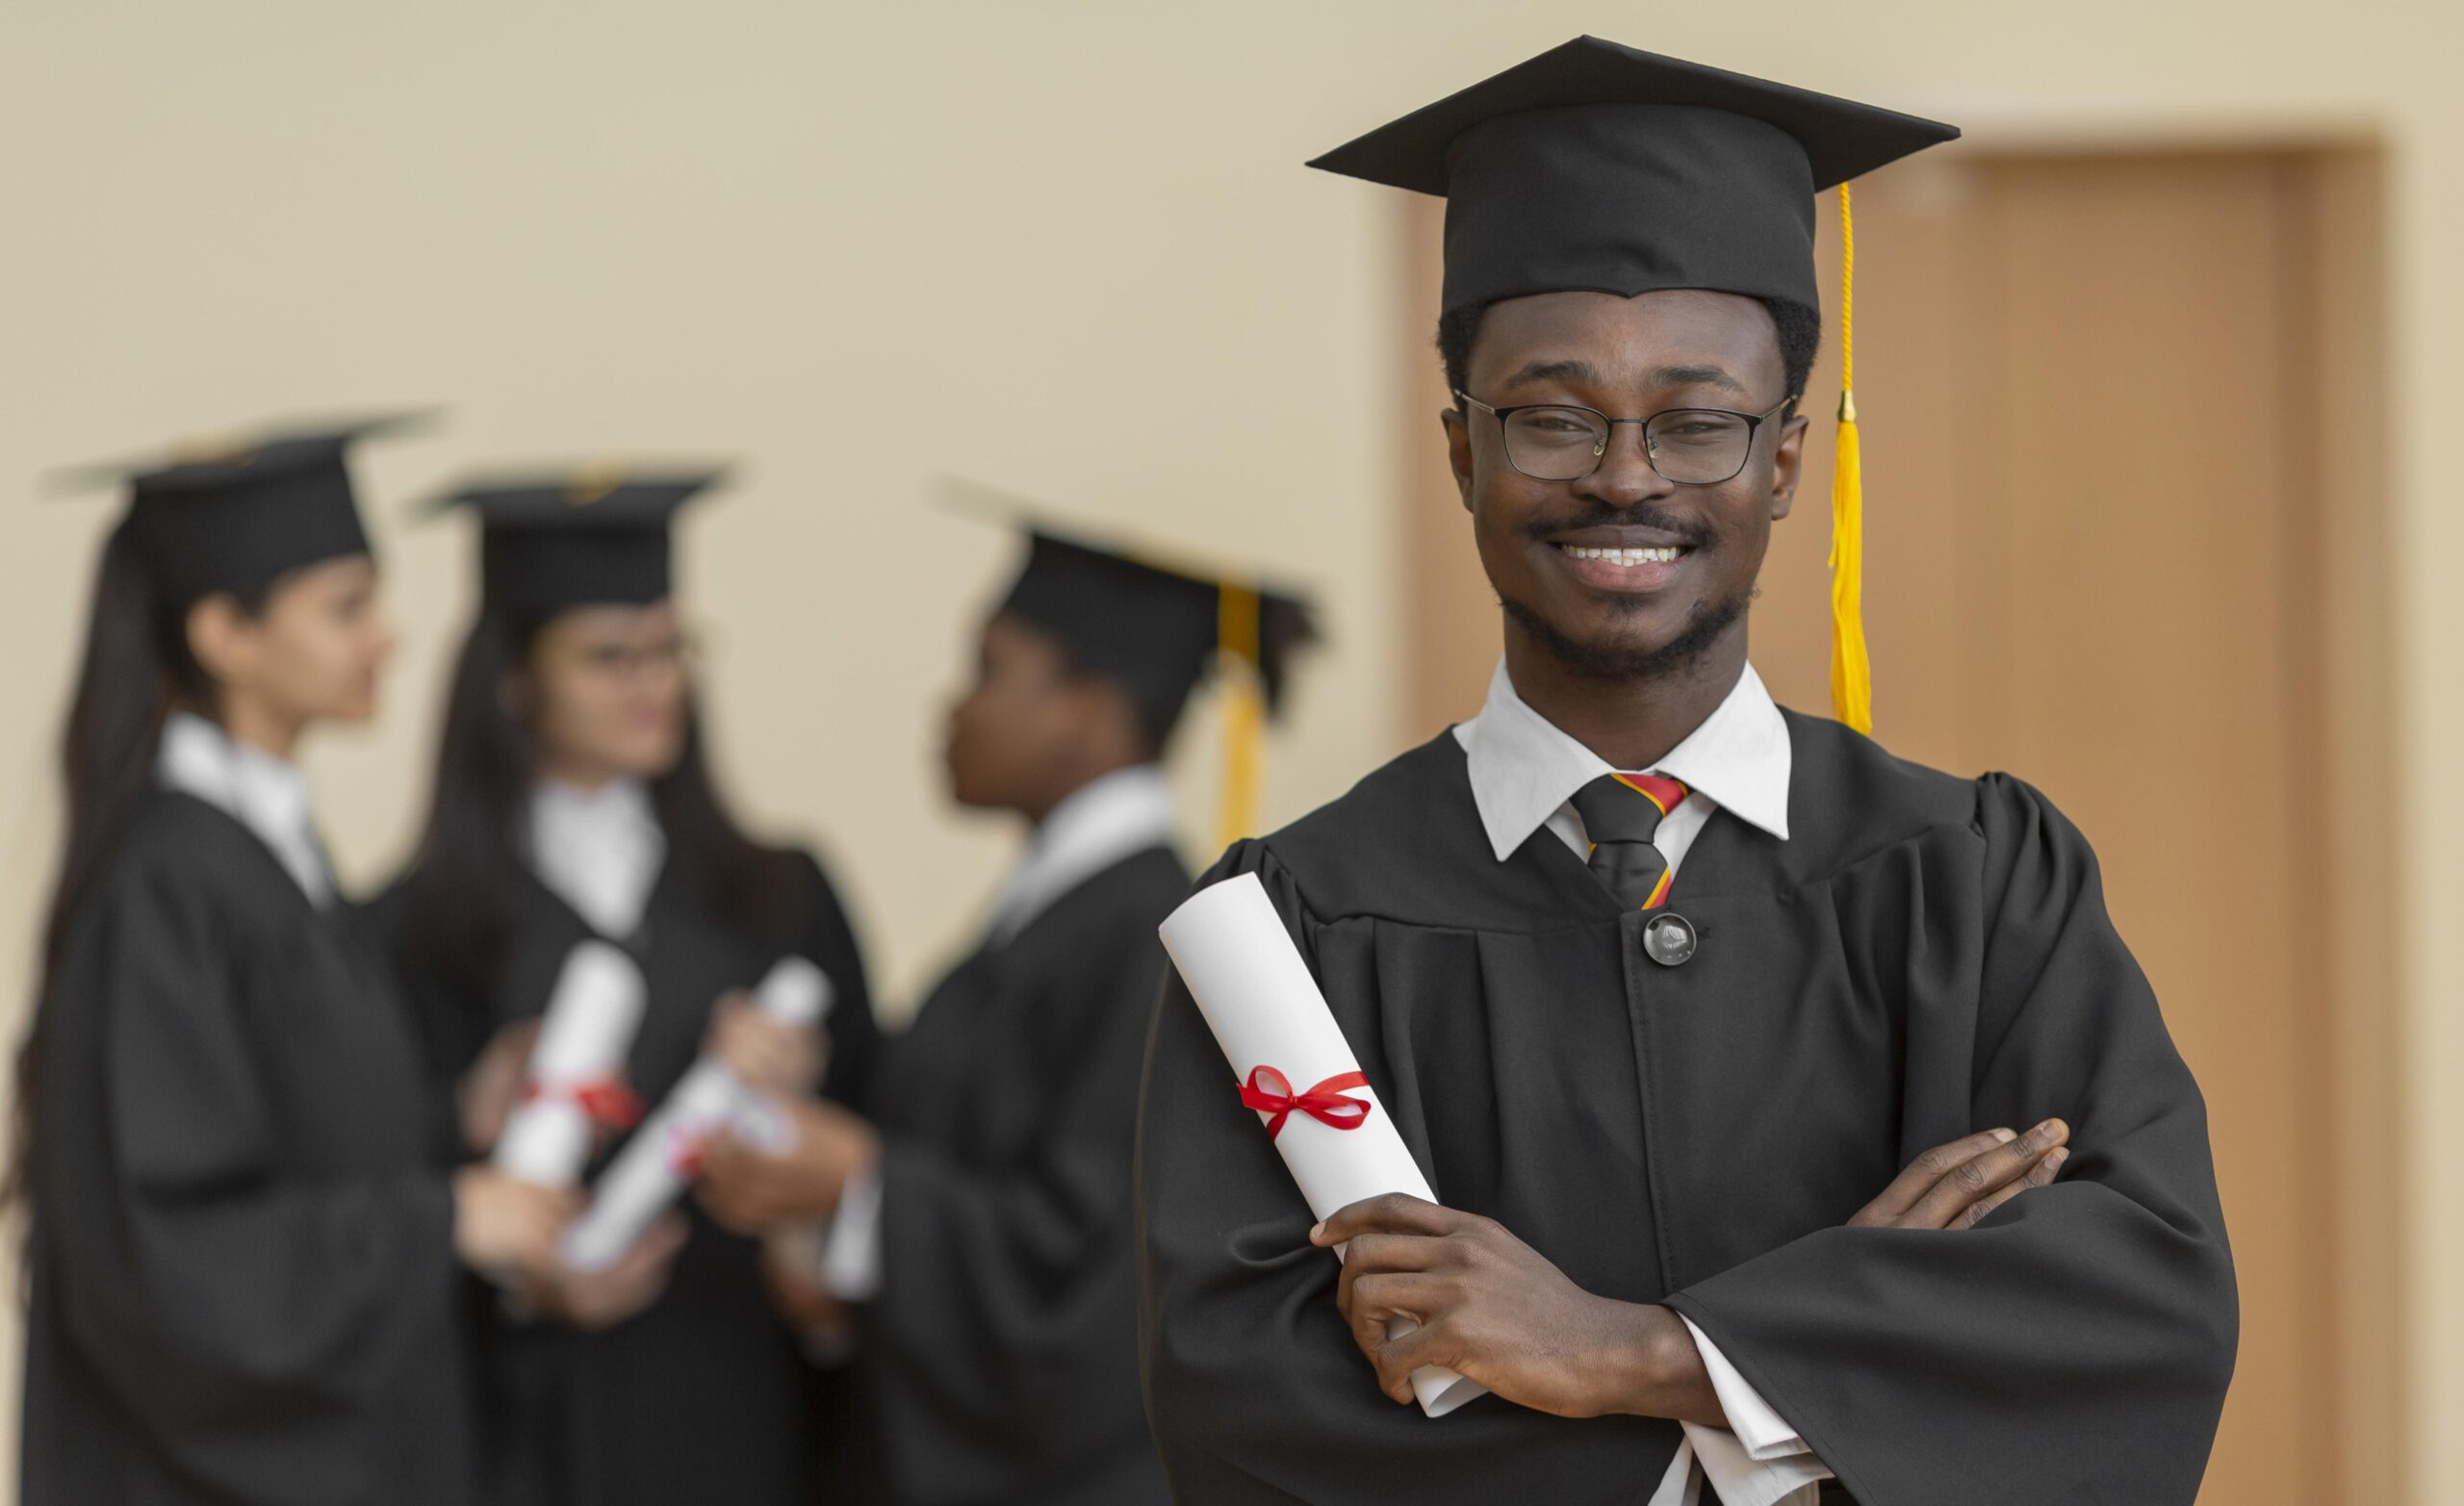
592,1300
781,1057
753,1190
1429,1285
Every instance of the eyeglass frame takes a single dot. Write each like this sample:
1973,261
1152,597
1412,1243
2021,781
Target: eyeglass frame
1753,426
625,663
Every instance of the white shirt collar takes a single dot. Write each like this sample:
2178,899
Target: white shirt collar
1524,767
1104,821
253,787
600,850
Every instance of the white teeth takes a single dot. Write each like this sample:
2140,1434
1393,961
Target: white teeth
1629,557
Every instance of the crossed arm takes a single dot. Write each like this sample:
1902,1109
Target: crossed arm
1490,1308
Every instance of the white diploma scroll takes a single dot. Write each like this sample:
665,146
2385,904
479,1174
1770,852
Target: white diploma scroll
664,1155
584,1040
1265,1010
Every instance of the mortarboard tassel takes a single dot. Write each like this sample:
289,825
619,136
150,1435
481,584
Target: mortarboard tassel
1243,711
1852,672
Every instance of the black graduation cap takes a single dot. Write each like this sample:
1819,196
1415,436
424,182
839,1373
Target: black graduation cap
1156,627
238,511
1598,167
591,535
1156,621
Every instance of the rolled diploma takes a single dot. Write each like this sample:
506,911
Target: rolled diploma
657,1164
589,1028
1265,1010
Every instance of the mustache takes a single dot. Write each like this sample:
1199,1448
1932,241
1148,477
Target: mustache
1694,531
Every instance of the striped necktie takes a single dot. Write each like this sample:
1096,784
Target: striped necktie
1621,813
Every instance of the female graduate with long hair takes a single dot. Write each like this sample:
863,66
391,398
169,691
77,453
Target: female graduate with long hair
573,800
242,1241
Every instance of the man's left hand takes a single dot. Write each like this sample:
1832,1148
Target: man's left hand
1492,1309
751,1192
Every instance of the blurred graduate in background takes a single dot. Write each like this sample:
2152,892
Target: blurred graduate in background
573,800
242,1247
978,1213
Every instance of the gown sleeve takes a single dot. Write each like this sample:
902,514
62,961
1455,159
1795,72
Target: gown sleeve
449,1028
245,1316
2076,1344
1254,1387
1004,1314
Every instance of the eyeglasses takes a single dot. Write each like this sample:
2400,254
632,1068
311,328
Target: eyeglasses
1693,447
625,661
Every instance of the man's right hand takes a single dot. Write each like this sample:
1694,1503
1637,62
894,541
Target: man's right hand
599,1299
1951,1187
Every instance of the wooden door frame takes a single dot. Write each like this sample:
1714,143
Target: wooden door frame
2342,202
2341,233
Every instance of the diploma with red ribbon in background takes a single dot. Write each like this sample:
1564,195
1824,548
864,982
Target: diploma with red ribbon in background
575,1083
664,1157
1273,1022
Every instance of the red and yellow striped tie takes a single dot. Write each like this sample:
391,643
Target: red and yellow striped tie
1620,815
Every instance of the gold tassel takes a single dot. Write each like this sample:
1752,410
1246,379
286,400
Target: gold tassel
1852,671
1244,712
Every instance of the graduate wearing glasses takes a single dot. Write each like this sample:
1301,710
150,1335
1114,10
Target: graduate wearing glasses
575,800
1795,1116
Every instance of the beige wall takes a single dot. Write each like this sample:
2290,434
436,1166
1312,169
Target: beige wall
1066,248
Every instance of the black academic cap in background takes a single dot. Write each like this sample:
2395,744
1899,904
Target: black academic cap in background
238,511
586,535
1151,618
1598,167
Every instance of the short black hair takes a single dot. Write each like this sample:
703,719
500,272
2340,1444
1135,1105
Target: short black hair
1800,328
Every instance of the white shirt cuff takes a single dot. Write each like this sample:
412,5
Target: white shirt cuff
1761,1431
850,1267
1795,1480
1758,1460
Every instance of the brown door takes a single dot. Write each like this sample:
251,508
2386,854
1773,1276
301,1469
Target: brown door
2113,468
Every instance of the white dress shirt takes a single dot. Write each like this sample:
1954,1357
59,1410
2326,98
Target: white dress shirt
1525,770
600,850
1101,822
253,787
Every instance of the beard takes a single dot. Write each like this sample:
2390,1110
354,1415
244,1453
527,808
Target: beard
1613,659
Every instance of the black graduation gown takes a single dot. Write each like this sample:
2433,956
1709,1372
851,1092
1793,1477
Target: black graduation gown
999,1358
243,1258
704,1396
1925,956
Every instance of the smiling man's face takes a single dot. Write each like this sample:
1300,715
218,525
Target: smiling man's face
1624,572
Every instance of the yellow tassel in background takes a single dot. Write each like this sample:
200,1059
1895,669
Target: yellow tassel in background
1852,672
1245,712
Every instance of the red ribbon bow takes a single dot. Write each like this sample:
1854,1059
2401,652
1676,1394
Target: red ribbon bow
605,1100
1269,1091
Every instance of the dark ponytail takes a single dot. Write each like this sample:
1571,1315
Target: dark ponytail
137,666
465,890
